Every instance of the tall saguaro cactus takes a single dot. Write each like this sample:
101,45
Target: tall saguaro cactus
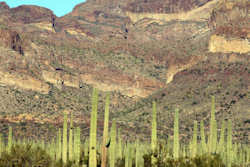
154,135
10,139
176,134
194,142
105,131
59,145
213,129
229,144
71,137
203,138
113,144
77,144
65,140
221,148
93,128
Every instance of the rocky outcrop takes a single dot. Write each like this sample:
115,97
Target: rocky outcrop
4,6
12,39
31,14
198,14
174,68
224,45
22,81
44,26
59,79
126,85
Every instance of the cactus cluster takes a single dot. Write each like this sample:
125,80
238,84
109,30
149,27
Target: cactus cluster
65,149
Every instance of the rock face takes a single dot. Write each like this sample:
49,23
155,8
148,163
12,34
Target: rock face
23,82
4,6
29,14
198,14
221,44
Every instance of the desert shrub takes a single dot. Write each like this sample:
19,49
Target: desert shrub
25,156
199,161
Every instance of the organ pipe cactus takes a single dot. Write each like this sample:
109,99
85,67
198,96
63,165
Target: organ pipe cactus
194,142
222,138
229,144
203,138
77,144
10,139
213,130
93,128
120,150
154,135
176,135
59,145
65,140
113,144
105,131
71,137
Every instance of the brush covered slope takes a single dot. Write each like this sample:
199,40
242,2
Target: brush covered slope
176,53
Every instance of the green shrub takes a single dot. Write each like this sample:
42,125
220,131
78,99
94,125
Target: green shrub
25,156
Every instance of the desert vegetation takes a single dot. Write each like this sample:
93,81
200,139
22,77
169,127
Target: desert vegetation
67,148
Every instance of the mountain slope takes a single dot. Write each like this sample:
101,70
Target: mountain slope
49,65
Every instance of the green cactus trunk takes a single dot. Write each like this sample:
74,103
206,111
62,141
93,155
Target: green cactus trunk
229,144
1,144
10,139
93,129
71,137
77,144
221,149
59,145
176,135
105,131
65,141
213,129
154,136
194,142
203,138
113,145
120,148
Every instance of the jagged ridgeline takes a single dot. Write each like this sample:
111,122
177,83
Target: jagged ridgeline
69,149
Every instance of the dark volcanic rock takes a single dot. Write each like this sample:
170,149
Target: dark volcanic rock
29,14
3,5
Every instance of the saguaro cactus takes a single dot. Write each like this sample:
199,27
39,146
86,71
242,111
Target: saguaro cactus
10,139
203,138
229,143
93,128
154,135
213,129
176,134
105,132
194,142
77,144
221,148
59,145
113,144
71,137
65,140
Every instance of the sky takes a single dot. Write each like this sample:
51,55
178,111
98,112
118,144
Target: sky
59,7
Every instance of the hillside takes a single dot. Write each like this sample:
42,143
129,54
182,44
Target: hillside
178,56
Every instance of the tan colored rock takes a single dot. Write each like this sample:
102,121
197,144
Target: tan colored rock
56,77
175,68
221,44
22,81
198,14
140,88
44,26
